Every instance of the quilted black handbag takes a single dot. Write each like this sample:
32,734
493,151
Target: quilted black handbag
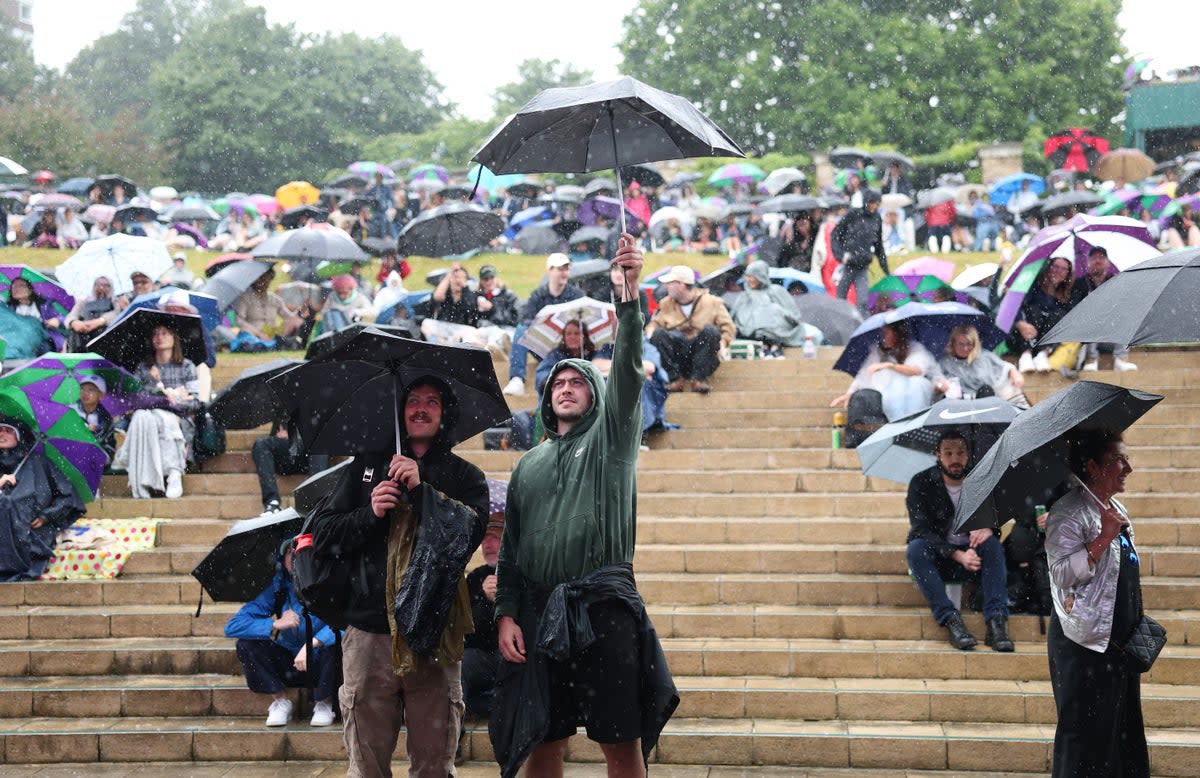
1144,644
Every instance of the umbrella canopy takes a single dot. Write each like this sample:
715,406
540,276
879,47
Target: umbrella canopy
62,436
848,156
313,489
589,234
1014,295
526,189
56,377
371,169
1028,465
781,178
128,341
76,186
1117,201
975,274
188,212
1124,165
1079,201
59,200
1156,301
297,193
930,324
10,168
1075,148
99,212
347,402
602,126
645,175
896,200
905,288
836,319
538,239
228,283
115,257
207,306
164,194
1002,189
243,563
900,449
60,299
883,159
609,208
429,172
962,195
490,181
787,277
292,218
214,266
1126,240
313,243
927,266
789,203
545,332
599,185
347,180
355,204
132,212
497,496
743,173
931,197
247,401
109,181
297,294
454,228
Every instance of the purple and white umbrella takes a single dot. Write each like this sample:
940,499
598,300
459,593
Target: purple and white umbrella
1126,240
608,208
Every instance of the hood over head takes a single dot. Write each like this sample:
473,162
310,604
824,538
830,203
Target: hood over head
10,458
595,381
759,269
449,409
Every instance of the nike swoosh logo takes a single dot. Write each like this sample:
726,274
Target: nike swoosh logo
952,415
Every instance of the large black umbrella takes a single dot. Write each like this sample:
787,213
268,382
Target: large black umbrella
347,402
108,183
1028,464
190,212
248,402
314,488
835,318
128,341
313,243
130,213
848,156
291,218
789,203
243,563
353,205
454,228
886,158
1154,301
900,449
598,185
228,283
538,239
645,175
328,341
347,180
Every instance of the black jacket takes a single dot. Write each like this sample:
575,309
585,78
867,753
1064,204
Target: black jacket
483,612
930,511
345,525
860,235
463,311
506,309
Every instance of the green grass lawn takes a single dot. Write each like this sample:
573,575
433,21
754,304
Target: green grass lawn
522,272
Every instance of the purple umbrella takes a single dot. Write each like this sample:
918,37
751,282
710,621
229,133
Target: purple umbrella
56,378
1126,240
608,208
48,290
184,228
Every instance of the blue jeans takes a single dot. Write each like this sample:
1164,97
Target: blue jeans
930,571
986,231
518,360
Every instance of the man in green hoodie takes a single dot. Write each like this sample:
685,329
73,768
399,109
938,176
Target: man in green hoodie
573,631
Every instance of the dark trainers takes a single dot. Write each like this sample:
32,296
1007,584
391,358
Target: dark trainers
997,634
960,637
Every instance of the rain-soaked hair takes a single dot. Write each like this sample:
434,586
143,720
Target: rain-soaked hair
1063,290
1089,446
449,401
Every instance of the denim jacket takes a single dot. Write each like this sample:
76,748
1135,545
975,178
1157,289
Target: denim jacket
1084,596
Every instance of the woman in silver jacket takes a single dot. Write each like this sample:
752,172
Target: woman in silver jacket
1095,585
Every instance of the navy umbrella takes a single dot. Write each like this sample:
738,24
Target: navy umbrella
76,186
1028,465
928,323
454,228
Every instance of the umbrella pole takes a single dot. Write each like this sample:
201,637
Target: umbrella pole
612,134
396,402
478,178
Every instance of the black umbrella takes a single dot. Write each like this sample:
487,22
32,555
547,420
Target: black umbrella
348,180
247,402
1081,201
524,189
454,228
314,244
789,203
128,341
243,563
1028,465
314,488
189,212
719,280
886,158
335,193
109,181
377,247
836,319
645,175
347,402
228,283
599,185
589,234
848,156
566,228
452,192
567,193
355,204
538,239
328,341
291,218
131,213
75,186
1154,301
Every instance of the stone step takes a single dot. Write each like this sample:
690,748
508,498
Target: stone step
208,484
954,746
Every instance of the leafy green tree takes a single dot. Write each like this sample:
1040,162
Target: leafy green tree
920,75
534,76
18,71
450,142
44,131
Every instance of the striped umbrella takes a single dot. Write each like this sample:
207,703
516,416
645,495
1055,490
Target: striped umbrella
56,377
902,289
744,173
62,436
545,333
60,300
370,169
429,172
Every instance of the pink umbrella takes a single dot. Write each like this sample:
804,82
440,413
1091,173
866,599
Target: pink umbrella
927,266
266,204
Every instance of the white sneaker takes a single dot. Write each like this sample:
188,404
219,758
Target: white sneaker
322,714
1121,366
1041,362
1025,363
174,484
515,386
280,713
1091,367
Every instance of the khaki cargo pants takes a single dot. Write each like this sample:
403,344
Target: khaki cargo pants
376,703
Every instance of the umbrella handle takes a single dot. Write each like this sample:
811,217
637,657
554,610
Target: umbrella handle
396,402
478,178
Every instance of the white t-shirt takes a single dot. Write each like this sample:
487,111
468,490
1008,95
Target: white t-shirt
687,309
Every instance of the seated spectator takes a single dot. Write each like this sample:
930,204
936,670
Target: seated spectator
155,448
262,315
271,646
347,305
242,232
979,373
555,290
1181,230
92,315
24,301
704,237
898,235
498,305
454,301
690,329
92,389
282,453
937,555
766,312
481,659
71,231
36,503
44,234
899,369
987,224
575,344
797,242
391,295
180,274
1053,294
938,220
731,236
1099,270
101,229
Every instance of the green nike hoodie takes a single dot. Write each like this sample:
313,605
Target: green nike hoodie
572,500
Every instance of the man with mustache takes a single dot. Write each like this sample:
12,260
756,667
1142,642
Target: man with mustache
936,554
387,685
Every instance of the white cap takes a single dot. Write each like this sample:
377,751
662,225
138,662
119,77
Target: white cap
681,273
557,259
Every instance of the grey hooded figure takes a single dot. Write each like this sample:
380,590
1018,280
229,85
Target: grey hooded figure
765,311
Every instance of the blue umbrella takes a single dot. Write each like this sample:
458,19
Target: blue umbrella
787,277
1003,189
524,218
928,323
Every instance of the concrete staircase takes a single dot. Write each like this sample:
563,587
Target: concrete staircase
773,570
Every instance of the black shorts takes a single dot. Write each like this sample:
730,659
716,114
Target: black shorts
600,688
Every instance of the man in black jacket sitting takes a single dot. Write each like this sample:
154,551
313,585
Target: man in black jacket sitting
937,554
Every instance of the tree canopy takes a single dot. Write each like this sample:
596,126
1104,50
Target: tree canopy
534,75
920,75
